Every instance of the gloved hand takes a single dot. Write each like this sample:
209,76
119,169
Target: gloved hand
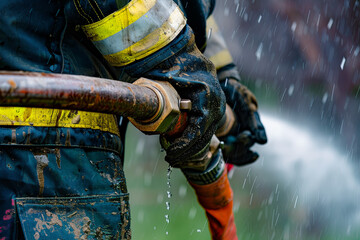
194,77
247,129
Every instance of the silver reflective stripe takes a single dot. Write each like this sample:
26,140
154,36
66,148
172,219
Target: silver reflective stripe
146,24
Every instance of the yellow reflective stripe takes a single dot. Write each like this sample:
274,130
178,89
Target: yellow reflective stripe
211,24
146,24
44,117
216,49
119,20
221,59
139,29
152,42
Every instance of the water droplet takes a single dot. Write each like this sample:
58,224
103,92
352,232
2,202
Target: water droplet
318,21
348,230
140,146
226,81
198,230
271,198
342,63
253,184
141,216
147,179
244,183
231,173
259,19
182,191
324,98
259,51
293,26
169,170
226,11
246,17
357,50
291,89
192,213
168,175
341,126
251,198
236,206
160,198
209,34
330,23
295,201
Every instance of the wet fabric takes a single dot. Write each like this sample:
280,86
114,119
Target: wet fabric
54,180
67,193
216,49
247,129
57,137
194,77
53,29
136,31
197,12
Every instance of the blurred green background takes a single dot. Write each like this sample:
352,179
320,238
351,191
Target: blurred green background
268,204
303,186
306,183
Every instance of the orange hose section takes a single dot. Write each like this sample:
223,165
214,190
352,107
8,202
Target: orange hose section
217,200
180,125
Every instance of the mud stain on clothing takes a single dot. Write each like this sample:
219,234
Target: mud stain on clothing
27,114
28,136
13,136
78,228
54,218
68,138
42,162
76,119
58,157
42,225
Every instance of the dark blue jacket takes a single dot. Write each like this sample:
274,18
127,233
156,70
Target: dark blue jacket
84,182
44,35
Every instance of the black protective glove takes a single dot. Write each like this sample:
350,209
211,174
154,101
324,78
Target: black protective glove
248,128
194,78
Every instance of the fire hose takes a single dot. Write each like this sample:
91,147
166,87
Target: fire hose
151,106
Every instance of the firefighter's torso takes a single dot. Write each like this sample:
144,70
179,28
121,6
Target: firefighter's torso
61,171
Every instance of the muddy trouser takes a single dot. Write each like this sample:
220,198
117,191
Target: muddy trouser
62,183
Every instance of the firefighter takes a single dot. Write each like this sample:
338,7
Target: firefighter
247,128
62,171
239,129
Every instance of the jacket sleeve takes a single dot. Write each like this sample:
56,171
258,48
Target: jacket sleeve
197,12
151,38
127,33
218,52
